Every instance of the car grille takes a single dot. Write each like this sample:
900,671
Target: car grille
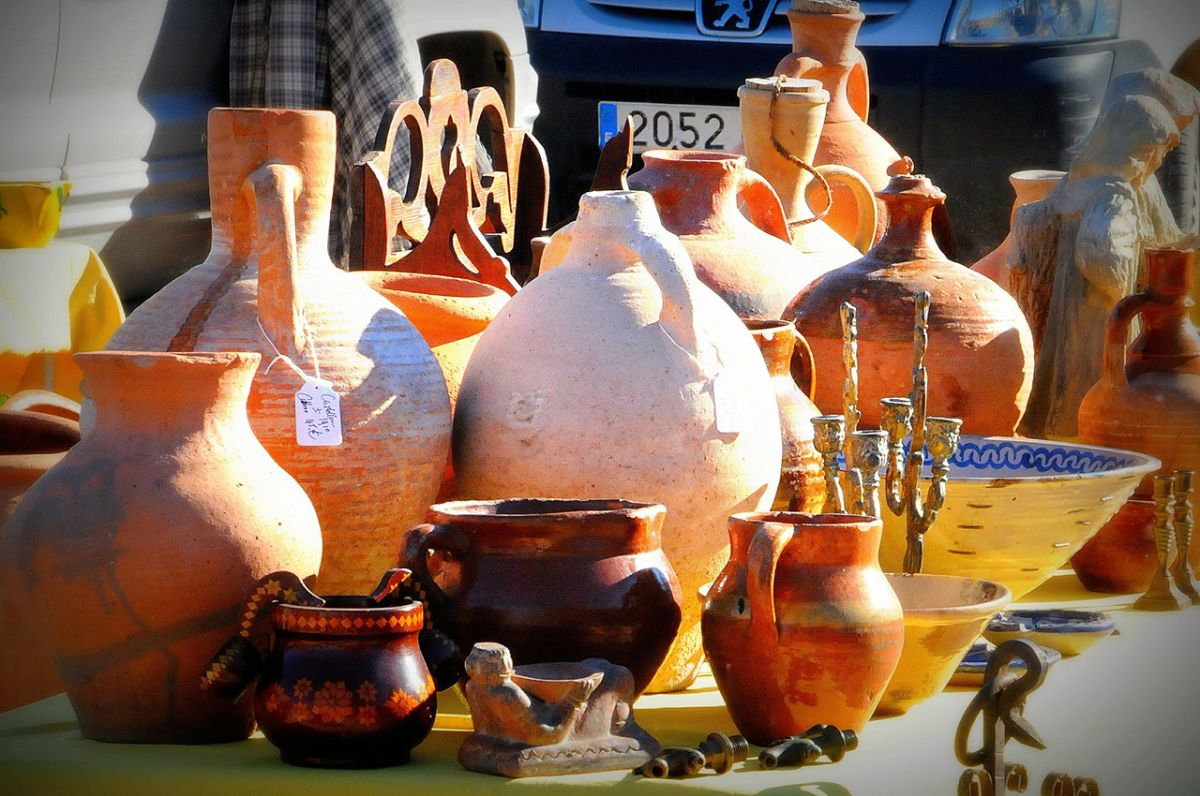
666,9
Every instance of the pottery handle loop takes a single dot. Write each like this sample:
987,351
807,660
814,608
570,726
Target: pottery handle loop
864,199
858,87
668,264
274,188
418,543
765,549
1116,337
763,207
804,369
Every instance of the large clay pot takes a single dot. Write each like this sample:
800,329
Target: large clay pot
801,627
1123,557
552,580
1150,401
601,377
781,121
30,444
697,193
1029,186
136,551
269,284
802,479
823,48
980,354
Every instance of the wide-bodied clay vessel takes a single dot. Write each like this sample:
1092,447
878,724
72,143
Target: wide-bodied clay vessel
802,480
1149,400
616,372
1122,558
1030,186
801,626
823,48
134,554
782,120
754,268
980,351
268,285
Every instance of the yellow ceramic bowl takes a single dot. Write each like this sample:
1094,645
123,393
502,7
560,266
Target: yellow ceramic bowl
1016,510
30,212
943,616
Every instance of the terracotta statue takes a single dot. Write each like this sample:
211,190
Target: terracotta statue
1079,251
550,718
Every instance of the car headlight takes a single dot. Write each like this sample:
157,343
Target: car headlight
531,12
1032,21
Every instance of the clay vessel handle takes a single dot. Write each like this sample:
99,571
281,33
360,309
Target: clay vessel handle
668,264
1116,337
765,549
418,542
763,207
804,369
274,188
858,86
864,199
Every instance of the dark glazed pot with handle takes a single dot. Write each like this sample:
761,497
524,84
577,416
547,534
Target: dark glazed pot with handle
552,580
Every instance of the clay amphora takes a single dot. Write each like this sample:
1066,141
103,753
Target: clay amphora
602,376
980,351
787,114
1122,558
1029,186
30,444
1150,401
136,551
552,580
823,48
801,627
269,284
754,268
801,480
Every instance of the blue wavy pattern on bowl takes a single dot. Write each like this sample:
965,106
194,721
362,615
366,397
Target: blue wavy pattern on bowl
1008,455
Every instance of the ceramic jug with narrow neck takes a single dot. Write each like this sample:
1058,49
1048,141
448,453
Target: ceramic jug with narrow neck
1029,186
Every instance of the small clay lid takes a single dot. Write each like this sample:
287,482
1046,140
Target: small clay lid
789,87
915,185
825,6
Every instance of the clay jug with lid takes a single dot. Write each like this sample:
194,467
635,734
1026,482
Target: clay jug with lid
616,372
1030,186
268,285
823,48
134,554
782,119
801,627
1149,400
749,262
980,353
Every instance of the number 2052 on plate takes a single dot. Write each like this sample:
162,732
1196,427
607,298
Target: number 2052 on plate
663,126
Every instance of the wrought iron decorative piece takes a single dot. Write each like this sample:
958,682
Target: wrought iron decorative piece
1056,784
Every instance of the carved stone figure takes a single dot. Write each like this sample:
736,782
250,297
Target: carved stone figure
550,718
1080,250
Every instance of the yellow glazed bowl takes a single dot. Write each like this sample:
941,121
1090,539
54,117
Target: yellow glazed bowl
943,616
30,212
1016,510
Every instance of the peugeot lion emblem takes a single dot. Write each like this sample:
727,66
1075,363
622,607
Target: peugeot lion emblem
744,18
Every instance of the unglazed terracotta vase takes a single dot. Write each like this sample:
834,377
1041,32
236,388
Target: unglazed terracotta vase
30,444
601,378
980,351
801,626
754,268
269,285
1029,186
823,49
788,114
1149,401
135,553
801,480
1122,558
552,580
345,685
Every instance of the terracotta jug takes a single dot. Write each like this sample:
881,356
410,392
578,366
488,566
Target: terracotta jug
1029,186
602,376
552,580
1150,401
754,268
136,551
980,351
782,120
268,285
801,627
823,48
802,479
1123,557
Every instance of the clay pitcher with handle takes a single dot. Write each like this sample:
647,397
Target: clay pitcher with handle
269,286
782,120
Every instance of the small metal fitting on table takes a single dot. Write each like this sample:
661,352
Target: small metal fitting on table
717,752
800,750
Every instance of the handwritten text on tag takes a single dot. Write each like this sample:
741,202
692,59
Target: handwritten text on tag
318,414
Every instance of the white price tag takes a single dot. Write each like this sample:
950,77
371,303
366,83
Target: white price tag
728,408
318,414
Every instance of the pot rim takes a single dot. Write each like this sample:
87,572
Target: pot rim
962,611
348,620
556,508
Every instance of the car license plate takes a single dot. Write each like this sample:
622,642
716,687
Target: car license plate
663,126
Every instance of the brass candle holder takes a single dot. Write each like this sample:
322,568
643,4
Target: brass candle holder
1182,484
829,437
1162,594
